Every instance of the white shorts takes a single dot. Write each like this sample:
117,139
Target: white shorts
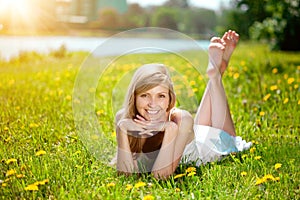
211,144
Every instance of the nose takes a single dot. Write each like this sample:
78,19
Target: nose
152,102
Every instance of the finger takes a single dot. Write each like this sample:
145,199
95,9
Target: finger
140,118
141,122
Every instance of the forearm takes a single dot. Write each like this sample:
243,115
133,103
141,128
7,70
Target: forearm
165,162
125,162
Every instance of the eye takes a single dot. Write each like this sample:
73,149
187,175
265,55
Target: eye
162,96
143,95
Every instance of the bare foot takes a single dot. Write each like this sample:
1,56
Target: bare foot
231,39
215,52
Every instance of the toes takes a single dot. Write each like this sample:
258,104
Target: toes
225,36
217,45
215,39
232,35
217,42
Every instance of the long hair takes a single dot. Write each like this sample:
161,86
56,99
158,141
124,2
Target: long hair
145,78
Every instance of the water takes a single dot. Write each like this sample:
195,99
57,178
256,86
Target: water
11,46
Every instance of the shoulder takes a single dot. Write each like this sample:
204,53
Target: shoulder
119,115
179,115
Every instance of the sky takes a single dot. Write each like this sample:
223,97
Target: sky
211,4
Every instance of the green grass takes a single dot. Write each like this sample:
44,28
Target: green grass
37,116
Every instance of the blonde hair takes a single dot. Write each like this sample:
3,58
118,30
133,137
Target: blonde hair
145,78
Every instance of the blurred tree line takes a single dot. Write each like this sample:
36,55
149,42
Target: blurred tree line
276,22
272,21
174,14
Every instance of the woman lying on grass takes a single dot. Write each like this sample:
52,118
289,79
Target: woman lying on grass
154,136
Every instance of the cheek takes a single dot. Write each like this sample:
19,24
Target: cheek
139,102
165,103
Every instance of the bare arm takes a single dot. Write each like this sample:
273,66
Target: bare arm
177,137
163,166
125,162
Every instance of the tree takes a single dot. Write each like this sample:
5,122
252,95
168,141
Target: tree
282,29
166,18
200,20
134,17
109,18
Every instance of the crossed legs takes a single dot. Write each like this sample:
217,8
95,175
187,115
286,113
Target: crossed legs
213,109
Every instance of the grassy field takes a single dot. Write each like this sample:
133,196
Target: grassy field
43,156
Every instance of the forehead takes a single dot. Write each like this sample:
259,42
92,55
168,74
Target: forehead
158,89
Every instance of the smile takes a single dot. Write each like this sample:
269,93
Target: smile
152,112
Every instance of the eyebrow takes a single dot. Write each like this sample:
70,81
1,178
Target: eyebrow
157,93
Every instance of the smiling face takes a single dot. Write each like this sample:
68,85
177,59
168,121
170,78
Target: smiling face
153,104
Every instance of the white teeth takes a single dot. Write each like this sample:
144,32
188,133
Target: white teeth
152,112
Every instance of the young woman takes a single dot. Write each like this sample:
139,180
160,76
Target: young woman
154,136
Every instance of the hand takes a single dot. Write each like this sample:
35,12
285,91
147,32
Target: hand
134,128
150,127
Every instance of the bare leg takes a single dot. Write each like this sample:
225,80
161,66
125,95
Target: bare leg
214,110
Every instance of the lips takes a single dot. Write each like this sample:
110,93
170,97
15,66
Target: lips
152,112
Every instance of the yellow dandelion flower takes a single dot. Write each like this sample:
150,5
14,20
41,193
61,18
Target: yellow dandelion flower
11,160
257,157
298,67
296,86
112,184
7,139
243,173
99,112
277,165
252,150
273,87
254,142
177,190
191,174
40,152
20,175
68,97
33,125
274,70
32,187
190,169
192,83
262,113
43,182
179,176
139,184
277,178
290,80
10,172
244,156
195,89
148,197
6,128
114,134
286,100
4,184
236,75
266,97
128,187
269,177
298,102
260,181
